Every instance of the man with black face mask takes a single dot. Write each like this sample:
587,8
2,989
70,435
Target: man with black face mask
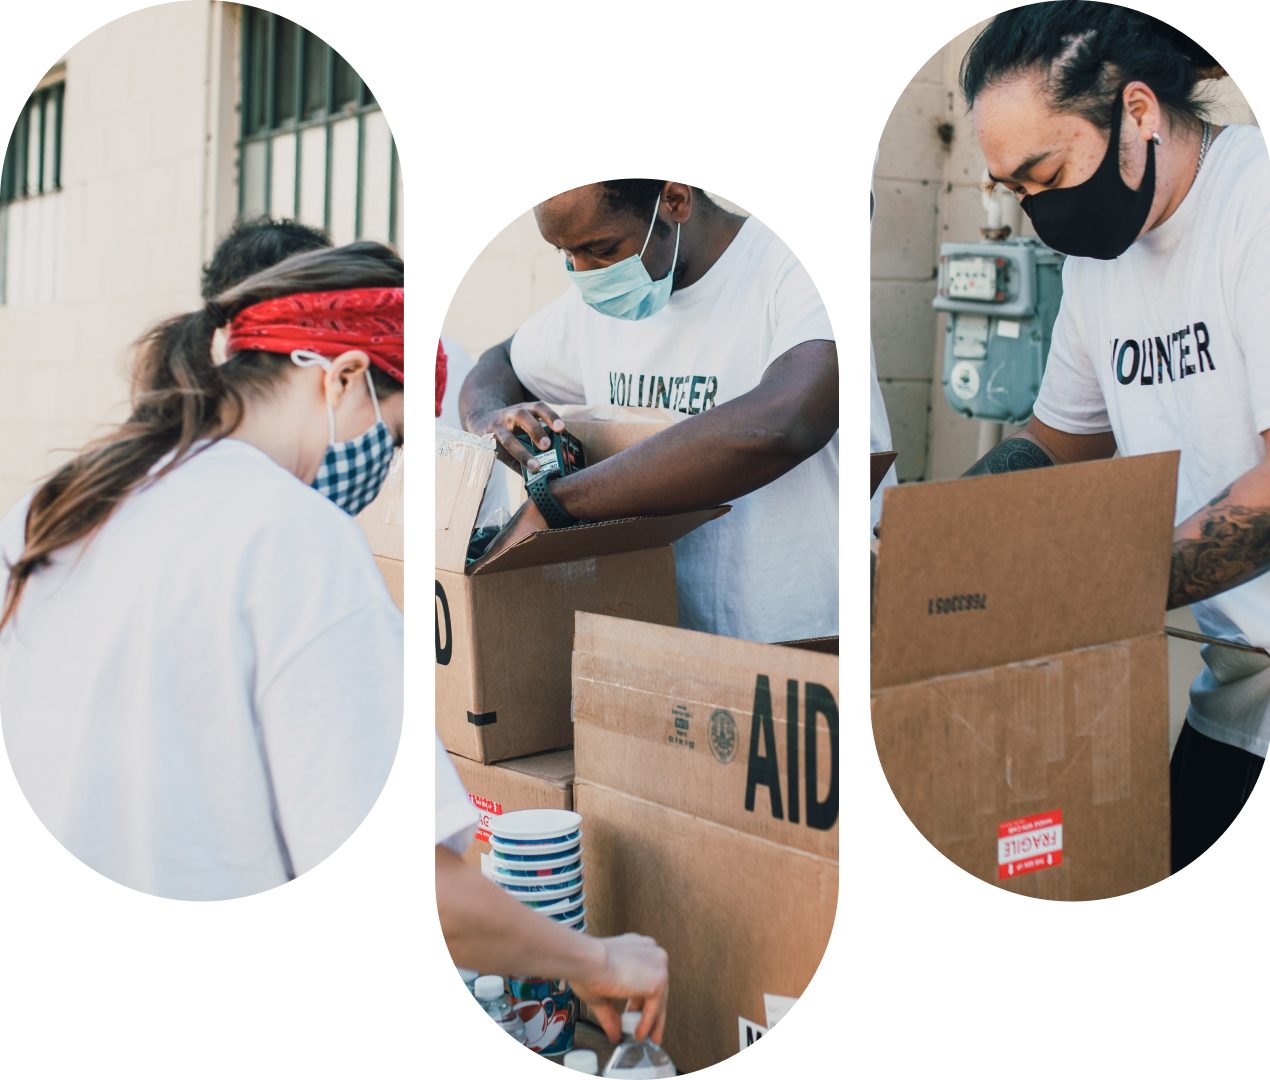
1088,112
678,304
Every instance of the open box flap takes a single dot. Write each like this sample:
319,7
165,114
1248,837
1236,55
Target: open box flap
878,465
605,430
993,570
590,541
463,464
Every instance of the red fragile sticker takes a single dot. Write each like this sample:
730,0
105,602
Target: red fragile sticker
1028,844
486,811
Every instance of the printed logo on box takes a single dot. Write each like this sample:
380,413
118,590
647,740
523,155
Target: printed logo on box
486,811
678,733
1028,844
749,1031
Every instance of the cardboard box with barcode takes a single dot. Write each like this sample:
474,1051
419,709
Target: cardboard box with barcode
383,523
707,781
543,781
504,623
1020,672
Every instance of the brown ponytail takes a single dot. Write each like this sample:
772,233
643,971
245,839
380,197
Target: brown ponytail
180,396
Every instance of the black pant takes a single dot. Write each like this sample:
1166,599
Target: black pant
1209,782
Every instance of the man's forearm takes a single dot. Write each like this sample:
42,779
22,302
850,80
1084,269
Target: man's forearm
1225,544
487,930
720,454
490,386
1038,445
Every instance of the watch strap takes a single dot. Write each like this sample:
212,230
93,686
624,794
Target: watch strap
555,515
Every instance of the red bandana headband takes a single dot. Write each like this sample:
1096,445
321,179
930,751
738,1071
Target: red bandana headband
327,323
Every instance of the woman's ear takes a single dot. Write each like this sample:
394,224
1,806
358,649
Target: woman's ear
345,370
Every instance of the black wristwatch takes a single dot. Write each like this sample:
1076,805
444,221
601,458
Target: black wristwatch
556,516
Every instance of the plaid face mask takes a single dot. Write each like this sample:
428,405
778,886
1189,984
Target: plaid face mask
352,472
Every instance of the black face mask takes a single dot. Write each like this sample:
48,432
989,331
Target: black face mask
1100,218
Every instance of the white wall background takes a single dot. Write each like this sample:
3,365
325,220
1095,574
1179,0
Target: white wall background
117,249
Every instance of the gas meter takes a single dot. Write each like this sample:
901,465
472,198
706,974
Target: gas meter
1002,298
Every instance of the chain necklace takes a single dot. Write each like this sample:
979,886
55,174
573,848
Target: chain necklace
1205,143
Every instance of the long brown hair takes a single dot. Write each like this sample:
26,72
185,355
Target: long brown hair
180,396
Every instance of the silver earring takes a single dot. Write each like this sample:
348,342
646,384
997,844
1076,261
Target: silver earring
1155,137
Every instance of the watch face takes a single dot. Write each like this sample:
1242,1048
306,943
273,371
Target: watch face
562,458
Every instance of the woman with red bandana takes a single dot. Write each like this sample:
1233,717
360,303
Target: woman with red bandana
200,664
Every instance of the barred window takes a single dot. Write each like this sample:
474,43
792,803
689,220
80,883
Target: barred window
33,160
314,143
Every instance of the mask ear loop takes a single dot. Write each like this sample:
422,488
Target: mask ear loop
678,227
308,358
373,396
650,229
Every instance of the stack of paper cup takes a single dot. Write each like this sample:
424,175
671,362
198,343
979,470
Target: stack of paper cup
536,856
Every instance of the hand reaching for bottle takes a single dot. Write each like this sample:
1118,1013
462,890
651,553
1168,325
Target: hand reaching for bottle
634,970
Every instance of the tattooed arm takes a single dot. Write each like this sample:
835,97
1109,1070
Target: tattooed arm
1039,445
1226,543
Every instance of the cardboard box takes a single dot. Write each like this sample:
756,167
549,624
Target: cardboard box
1020,672
504,624
878,466
383,523
605,430
530,783
709,822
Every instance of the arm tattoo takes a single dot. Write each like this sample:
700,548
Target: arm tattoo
1233,547
1013,455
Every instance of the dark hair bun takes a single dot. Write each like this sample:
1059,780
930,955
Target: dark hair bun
1205,64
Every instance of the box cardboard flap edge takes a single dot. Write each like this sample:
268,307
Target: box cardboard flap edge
383,520
878,466
992,570
599,538
463,465
606,430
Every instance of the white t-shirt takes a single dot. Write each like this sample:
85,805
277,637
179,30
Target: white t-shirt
767,571
1168,346
456,816
221,654
879,440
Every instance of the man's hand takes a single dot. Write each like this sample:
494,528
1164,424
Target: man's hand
487,930
531,417
493,401
634,968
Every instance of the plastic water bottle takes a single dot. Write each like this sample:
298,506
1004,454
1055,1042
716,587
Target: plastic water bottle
638,1059
489,992
469,979
583,1061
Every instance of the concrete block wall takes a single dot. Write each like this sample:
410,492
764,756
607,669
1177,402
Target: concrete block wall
927,192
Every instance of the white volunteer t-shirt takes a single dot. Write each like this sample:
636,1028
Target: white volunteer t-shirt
224,645
879,440
1168,346
767,571
456,816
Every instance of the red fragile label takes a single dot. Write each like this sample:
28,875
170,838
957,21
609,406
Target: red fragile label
1028,844
486,811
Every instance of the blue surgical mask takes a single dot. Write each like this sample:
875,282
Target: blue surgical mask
352,472
625,290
